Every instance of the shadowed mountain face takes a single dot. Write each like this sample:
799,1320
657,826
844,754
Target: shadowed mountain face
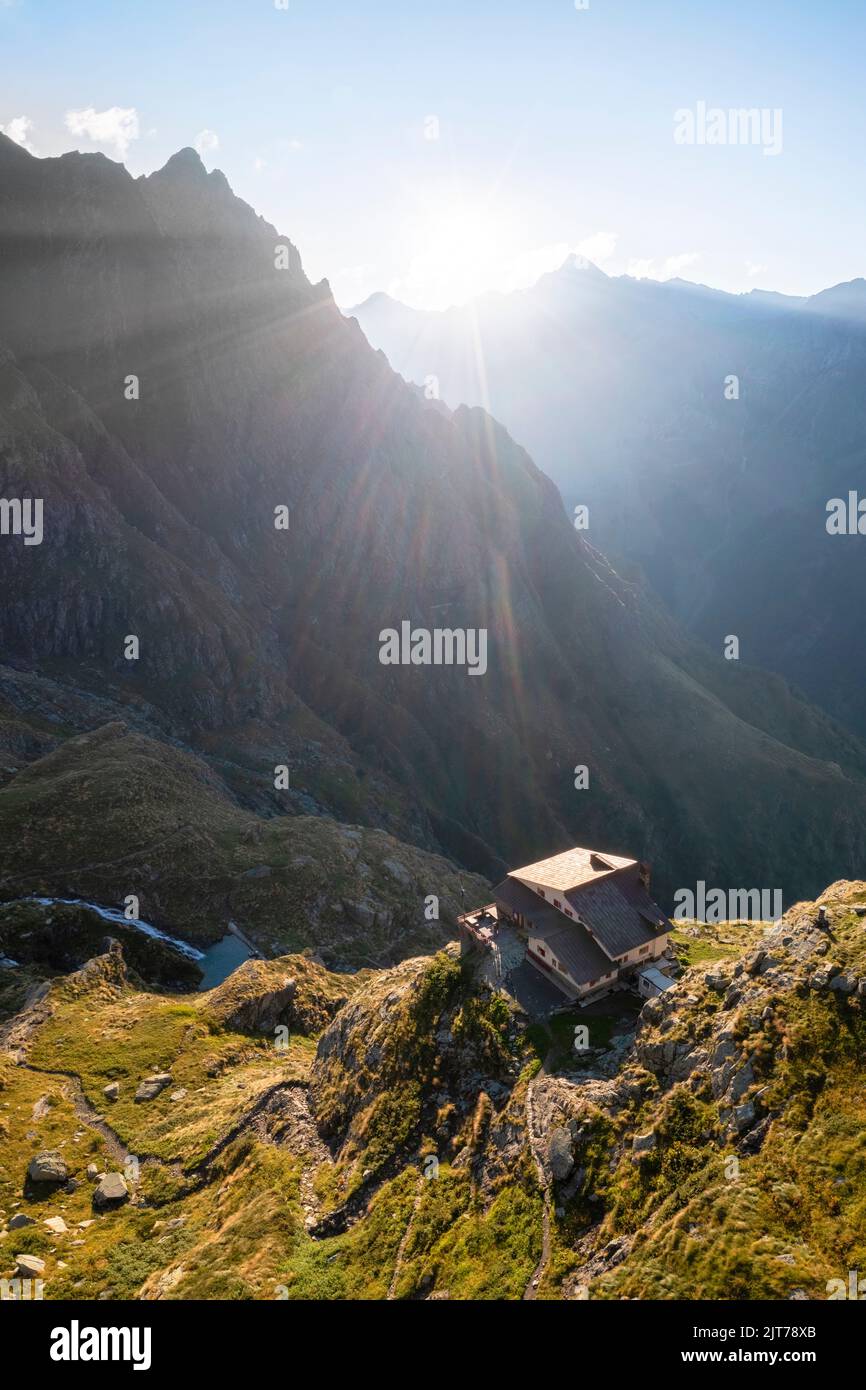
261,646
620,389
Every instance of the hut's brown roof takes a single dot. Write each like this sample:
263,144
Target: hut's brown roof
571,869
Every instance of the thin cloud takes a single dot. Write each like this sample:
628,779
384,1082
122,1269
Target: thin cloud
116,127
206,142
647,268
675,265
599,247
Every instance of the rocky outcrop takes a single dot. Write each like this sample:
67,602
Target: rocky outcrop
292,991
418,1046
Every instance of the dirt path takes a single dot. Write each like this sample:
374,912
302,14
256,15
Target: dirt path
287,1121
280,1116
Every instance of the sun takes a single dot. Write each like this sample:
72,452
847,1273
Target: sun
454,248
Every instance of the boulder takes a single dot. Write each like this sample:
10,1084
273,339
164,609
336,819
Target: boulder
560,1153
19,1220
57,1225
754,962
151,1086
744,1116
644,1143
843,984
111,1192
112,1090
48,1166
28,1266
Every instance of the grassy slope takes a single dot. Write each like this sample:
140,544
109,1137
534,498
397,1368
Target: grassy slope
112,813
793,1217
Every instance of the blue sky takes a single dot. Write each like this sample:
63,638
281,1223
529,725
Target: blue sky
555,129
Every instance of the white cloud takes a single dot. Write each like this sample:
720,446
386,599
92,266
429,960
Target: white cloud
598,247
640,269
206,142
18,129
753,270
116,127
259,164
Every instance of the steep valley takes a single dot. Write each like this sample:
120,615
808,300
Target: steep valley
258,647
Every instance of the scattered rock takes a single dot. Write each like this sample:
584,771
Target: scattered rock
843,984
644,1143
150,1087
56,1224
19,1220
41,1108
28,1266
112,1090
752,965
111,1192
48,1166
173,1225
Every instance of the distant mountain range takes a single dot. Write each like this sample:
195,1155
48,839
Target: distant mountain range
705,431
170,380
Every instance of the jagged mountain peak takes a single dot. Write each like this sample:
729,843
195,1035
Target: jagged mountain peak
183,161
576,264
